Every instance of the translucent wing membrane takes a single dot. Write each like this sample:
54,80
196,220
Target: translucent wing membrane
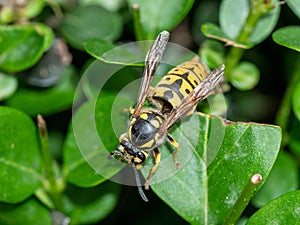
152,60
198,94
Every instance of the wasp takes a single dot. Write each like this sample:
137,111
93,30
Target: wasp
174,97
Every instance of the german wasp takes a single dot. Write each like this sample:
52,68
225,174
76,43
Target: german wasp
175,96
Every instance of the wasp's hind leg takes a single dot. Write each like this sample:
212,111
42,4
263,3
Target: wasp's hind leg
154,168
176,145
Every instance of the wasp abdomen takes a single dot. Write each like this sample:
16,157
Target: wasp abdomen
177,85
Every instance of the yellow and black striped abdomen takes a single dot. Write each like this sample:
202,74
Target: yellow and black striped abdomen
177,85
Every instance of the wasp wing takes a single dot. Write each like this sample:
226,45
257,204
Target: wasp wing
152,60
199,93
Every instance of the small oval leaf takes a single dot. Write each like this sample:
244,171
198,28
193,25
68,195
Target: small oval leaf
20,161
282,210
90,22
8,86
232,20
158,15
288,37
20,47
245,76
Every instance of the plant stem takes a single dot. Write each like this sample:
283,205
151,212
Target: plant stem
138,30
243,200
51,185
257,9
283,113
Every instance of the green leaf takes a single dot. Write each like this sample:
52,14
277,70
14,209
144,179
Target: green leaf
295,6
28,212
212,53
113,5
158,15
288,37
90,22
83,148
46,101
90,205
225,158
20,162
8,86
245,76
211,30
296,100
283,210
232,20
22,47
283,178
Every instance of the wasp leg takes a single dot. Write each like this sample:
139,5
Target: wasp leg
154,168
176,145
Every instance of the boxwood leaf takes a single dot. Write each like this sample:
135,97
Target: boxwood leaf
232,20
28,212
282,210
90,205
288,37
46,101
82,147
245,76
213,31
284,167
20,161
223,162
295,6
8,86
158,15
90,22
22,46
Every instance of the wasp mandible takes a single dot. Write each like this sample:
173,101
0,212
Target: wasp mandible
174,97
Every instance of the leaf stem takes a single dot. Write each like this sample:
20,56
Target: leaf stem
138,29
243,200
257,9
283,113
51,184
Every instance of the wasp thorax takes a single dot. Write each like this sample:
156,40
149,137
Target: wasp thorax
143,130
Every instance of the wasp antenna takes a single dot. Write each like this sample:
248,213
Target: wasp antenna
138,184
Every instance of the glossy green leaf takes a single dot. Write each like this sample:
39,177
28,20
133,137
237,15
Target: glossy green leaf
296,101
33,8
8,86
283,210
46,101
158,15
20,162
28,212
82,146
225,158
90,22
283,178
232,20
211,30
245,76
91,205
112,5
22,47
295,6
288,37
212,53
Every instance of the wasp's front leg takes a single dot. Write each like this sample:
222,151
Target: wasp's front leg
154,168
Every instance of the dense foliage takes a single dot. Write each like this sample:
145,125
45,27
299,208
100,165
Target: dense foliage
63,68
